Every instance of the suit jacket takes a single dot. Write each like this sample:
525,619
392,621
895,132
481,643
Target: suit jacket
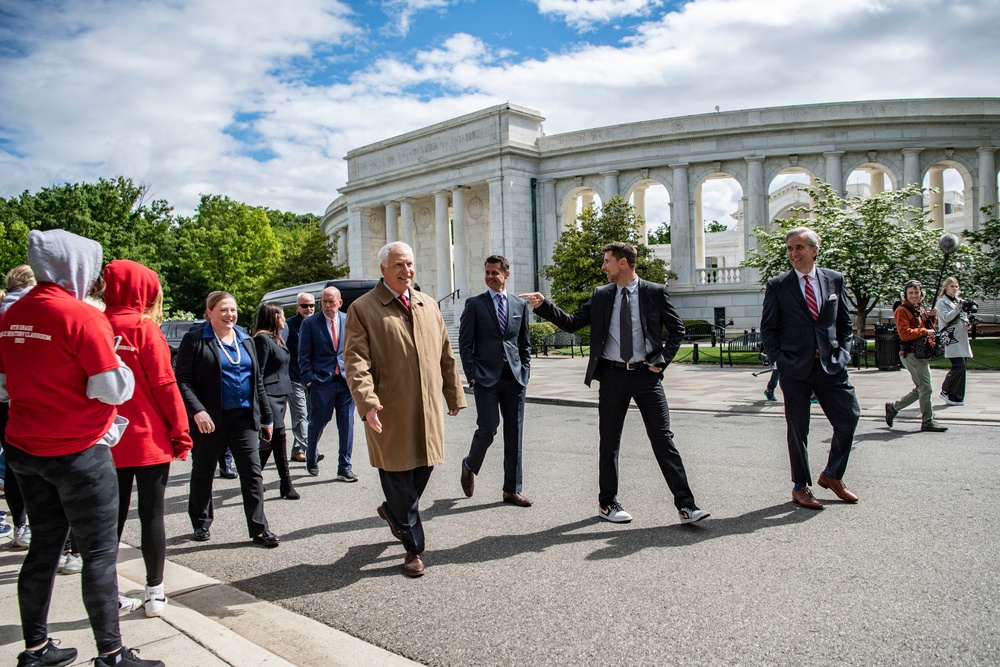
292,326
199,378
402,360
317,358
655,310
482,346
790,335
274,369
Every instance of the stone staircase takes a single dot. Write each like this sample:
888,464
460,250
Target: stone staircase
451,312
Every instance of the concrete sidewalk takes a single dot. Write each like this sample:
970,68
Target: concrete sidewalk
209,623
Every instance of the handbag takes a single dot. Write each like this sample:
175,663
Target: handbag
925,348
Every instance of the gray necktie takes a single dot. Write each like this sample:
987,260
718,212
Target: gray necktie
625,328
501,313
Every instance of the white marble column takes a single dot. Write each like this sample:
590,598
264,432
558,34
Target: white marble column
987,184
834,175
588,200
342,245
755,212
877,181
391,221
936,181
610,184
406,222
681,236
911,174
550,225
359,255
698,229
639,204
495,226
442,238
461,244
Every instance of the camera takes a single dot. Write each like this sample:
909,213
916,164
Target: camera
970,308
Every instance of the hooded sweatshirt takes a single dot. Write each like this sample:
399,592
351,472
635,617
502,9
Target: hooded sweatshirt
57,360
158,423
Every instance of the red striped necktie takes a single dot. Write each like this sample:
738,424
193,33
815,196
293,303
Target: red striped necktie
811,298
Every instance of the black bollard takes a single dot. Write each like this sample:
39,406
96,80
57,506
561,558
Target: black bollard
694,354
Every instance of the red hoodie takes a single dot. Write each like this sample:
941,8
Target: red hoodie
158,424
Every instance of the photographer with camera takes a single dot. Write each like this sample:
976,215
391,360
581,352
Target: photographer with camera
953,317
917,346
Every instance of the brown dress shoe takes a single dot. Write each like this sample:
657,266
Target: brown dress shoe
413,566
468,481
299,456
516,499
837,486
805,498
383,512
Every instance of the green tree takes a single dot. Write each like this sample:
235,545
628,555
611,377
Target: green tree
984,274
576,261
307,254
878,244
715,226
660,235
228,246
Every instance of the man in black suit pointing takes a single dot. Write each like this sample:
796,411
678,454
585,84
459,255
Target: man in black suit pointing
495,348
627,318
805,327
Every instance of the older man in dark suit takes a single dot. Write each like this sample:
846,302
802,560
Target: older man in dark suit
321,367
495,347
627,355
806,331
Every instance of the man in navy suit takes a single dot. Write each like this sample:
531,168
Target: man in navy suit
805,327
321,367
495,347
305,306
627,318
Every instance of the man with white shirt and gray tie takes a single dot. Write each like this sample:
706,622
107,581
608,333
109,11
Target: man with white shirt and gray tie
628,318
805,327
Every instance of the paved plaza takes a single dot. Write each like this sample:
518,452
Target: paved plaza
906,577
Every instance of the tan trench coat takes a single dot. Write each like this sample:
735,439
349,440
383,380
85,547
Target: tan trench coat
404,363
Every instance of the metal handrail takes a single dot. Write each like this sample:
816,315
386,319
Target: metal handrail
454,296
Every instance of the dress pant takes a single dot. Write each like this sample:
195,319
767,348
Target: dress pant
324,400
79,492
402,491
233,429
298,406
836,396
618,388
954,382
506,399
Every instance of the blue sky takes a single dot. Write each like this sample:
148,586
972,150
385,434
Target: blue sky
261,100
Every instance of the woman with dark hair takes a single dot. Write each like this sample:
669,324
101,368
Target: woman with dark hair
158,427
220,381
272,353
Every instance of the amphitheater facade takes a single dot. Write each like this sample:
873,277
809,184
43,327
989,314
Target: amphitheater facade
493,182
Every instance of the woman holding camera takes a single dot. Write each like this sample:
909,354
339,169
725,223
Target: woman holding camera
913,323
952,314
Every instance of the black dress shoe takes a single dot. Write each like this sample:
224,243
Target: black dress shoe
468,481
288,491
202,534
933,427
320,457
267,539
228,473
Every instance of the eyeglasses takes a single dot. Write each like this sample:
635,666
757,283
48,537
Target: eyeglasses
307,305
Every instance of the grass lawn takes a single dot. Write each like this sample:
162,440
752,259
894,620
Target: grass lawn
986,355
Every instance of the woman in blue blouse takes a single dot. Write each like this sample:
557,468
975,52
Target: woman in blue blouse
223,390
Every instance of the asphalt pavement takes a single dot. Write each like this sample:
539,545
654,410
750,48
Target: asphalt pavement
906,577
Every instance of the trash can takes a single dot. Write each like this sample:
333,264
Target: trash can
886,347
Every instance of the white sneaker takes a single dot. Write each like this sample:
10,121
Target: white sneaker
692,514
127,605
72,564
948,401
156,600
614,513
22,537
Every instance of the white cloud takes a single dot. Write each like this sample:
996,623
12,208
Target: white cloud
582,15
401,13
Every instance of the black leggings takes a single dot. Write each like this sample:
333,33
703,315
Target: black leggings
78,491
151,485
15,501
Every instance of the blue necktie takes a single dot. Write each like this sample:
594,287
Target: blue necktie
501,313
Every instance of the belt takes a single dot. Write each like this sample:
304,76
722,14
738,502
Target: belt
628,367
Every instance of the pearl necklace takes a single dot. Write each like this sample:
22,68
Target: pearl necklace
225,350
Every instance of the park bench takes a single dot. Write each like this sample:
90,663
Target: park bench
561,339
860,351
748,342
699,331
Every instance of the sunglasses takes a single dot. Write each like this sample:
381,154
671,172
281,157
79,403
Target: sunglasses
307,305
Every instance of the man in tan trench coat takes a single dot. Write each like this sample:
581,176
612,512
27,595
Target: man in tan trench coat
399,362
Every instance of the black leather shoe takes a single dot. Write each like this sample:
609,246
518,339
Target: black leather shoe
468,481
890,414
267,539
933,427
312,469
202,534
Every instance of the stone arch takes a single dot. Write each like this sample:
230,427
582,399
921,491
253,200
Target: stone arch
941,217
785,192
873,165
717,255
636,188
568,195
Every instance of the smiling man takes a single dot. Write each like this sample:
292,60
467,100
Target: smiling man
628,319
399,363
805,327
